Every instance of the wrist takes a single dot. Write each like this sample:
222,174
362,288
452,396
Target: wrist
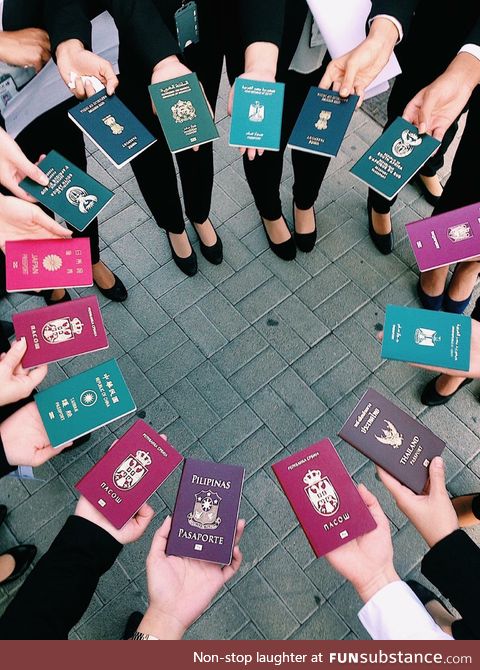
262,57
164,627
367,589
466,69
69,47
384,33
166,62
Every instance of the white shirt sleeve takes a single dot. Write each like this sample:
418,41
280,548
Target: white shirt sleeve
396,23
472,49
395,613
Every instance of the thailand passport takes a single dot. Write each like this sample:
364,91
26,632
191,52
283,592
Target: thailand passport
61,331
129,473
426,337
205,517
84,403
257,114
392,439
48,264
324,497
394,158
71,193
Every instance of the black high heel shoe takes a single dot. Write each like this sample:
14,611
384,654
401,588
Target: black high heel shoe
285,250
304,241
3,513
423,594
384,243
188,265
117,293
214,253
428,195
432,398
23,556
47,296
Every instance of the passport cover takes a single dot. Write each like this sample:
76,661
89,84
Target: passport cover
71,192
323,497
205,517
112,127
183,112
323,122
394,158
257,114
446,238
47,264
82,404
392,439
61,331
129,473
426,337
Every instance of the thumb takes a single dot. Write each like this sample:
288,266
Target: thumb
14,355
347,84
48,224
143,517
159,542
33,171
37,375
110,79
437,477
373,505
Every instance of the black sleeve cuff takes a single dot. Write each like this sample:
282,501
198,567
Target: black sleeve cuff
5,467
88,541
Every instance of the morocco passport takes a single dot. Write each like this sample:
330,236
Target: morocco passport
426,337
205,517
394,158
83,403
71,193
392,439
257,114
323,497
129,473
60,331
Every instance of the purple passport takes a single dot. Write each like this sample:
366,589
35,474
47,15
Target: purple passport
60,331
205,517
392,439
446,238
323,497
129,473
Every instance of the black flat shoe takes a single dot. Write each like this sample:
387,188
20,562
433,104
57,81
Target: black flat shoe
214,253
428,195
423,594
285,250
189,265
23,556
117,293
47,296
384,243
432,398
8,329
432,302
132,625
305,241
3,513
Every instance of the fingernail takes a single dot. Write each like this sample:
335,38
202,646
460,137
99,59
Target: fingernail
344,92
438,462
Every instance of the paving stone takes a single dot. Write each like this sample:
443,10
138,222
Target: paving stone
322,286
126,329
184,295
222,314
201,331
281,336
39,508
217,391
175,366
164,279
135,256
221,622
271,503
258,372
361,273
291,274
310,328
122,223
239,352
297,545
109,622
342,239
298,396
364,343
245,281
192,407
256,451
145,310
263,299
231,431
257,541
320,359
325,624
142,390
158,346
276,414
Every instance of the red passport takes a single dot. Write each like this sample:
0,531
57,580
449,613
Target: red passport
323,497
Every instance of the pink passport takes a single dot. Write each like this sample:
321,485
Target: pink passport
48,264
323,497
60,331
446,238
129,473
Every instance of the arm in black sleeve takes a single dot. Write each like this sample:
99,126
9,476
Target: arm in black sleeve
68,20
58,590
402,10
5,466
474,36
262,21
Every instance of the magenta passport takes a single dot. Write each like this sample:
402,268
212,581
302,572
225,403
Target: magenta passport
324,497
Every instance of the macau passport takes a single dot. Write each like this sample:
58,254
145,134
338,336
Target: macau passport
394,158
71,192
323,122
205,517
84,403
392,439
429,338
47,264
112,127
257,114
61,331
323,497
183,112
129,473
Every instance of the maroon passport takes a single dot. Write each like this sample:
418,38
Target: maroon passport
324,497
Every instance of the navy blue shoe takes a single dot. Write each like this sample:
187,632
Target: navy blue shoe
433,302
455,306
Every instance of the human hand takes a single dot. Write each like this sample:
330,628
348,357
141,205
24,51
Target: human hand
15,382
131,531
21,220
29,47
74,59
15,166
431,513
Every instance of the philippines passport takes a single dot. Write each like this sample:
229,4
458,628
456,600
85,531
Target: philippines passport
323,497
426,337
257,114
205,517
129,473
392,439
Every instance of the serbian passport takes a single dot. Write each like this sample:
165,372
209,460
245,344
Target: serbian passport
61,331
83,403
323,497
257,114
323,122
426,337
111,127
446,238
48,264
183,112
129,473
392,439
394,158
205,517
71,193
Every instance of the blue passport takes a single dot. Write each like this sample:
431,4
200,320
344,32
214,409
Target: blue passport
112,127
426,337
323,122
257,114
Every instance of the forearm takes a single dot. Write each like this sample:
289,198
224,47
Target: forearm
384,32
68,20
465,69
5,467
261,57
262,21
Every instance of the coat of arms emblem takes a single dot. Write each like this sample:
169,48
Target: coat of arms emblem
321,493
205,510
426,337
404,145
182,111
78,197
390,436
131,470
115,127
61,330
256,112
460,233
323,119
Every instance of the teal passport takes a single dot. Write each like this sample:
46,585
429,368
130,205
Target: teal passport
71,193
82,404
430,338
183,112
394,158
257,114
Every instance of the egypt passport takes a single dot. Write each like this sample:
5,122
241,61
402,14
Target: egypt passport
323,497
129,473
205,517
257,114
